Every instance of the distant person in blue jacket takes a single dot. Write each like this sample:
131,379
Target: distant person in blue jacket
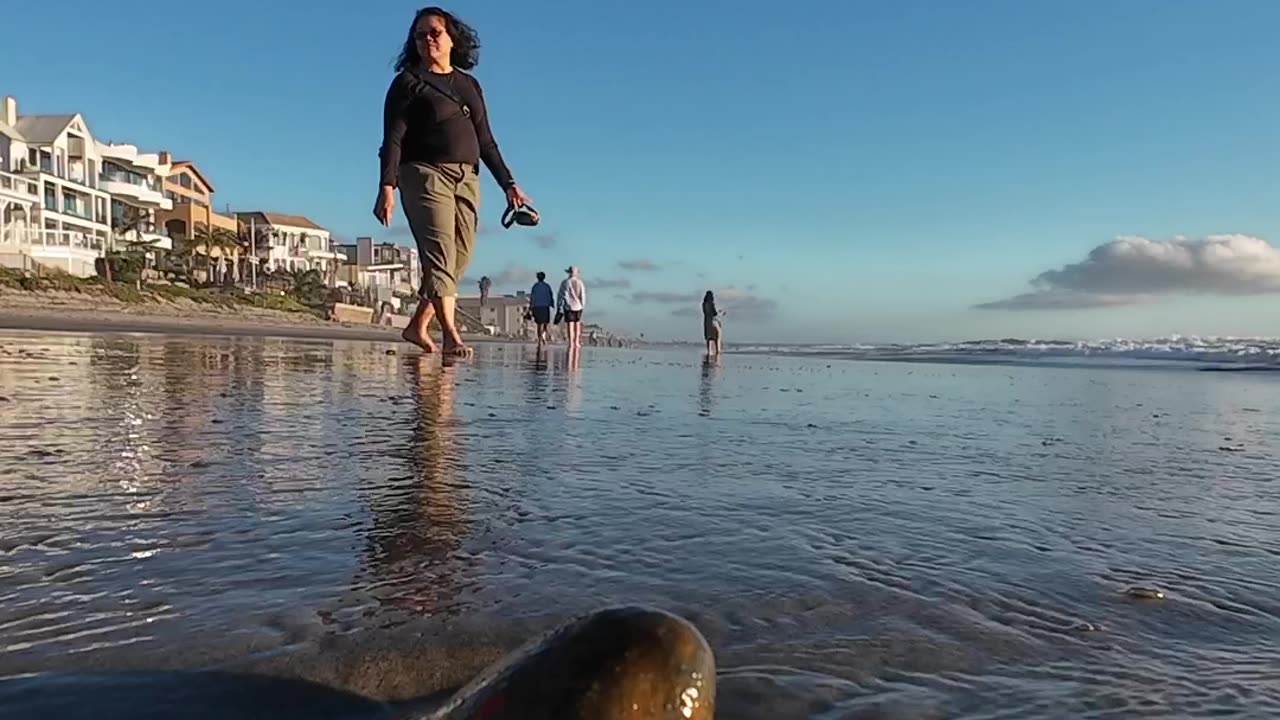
541,300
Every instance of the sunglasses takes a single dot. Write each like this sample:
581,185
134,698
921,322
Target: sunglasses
431,34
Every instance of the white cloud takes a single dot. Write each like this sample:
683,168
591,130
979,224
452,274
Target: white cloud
1130,270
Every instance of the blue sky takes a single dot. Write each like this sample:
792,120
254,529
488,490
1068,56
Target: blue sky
847,171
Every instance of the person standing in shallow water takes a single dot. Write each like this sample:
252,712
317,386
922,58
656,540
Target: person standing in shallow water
541,300
435,134
572,301
711,323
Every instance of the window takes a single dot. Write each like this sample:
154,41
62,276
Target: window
184,180
50,198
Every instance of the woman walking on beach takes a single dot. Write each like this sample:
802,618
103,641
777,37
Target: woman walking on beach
435,134
711,324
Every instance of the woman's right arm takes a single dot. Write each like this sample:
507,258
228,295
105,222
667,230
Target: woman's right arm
393,129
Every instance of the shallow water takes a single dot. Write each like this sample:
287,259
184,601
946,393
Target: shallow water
856,539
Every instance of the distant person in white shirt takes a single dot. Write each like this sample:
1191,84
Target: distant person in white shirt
572,301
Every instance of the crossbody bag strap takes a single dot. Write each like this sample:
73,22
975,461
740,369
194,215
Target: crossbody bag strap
422,80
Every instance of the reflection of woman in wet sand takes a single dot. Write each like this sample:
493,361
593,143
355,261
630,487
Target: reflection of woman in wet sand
710,368
418,523
711,323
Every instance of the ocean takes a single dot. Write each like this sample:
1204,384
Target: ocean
860,532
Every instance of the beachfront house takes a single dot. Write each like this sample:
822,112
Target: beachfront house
134,181
54,209
192,216
384,271
291,243
502,315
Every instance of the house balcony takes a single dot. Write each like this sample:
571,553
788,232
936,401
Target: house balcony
147,163
151,240
72,252
316,254
135,194
16,188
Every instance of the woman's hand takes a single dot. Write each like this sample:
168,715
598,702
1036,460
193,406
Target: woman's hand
384,208
516,197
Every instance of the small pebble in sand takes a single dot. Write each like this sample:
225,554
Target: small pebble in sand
390,351
1145,593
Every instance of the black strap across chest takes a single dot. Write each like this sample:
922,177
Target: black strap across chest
422,83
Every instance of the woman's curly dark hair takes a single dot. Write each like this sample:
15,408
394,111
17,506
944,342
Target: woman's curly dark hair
466,43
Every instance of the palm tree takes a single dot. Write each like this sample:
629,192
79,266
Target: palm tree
309,287
132,220
485,285
202,243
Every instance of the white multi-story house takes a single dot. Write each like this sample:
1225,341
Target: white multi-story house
291,243
53,157
135,182
383,268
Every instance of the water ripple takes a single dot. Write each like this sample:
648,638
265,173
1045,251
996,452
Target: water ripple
857,540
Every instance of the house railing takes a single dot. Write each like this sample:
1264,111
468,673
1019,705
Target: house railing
16,184
32,238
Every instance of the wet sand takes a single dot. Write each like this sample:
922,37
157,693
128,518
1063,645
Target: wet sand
196,322
855,540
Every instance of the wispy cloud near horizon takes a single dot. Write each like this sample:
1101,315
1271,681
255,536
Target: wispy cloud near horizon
1131,270
638,265
608,283
736,303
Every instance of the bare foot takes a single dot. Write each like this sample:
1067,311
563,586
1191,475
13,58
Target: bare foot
456,348
421,341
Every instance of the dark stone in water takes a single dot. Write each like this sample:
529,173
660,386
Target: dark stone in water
1144,593
619,663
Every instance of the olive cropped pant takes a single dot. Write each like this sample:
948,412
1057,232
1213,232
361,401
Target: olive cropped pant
441,201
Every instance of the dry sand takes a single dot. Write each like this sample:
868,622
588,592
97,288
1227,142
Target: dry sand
58,311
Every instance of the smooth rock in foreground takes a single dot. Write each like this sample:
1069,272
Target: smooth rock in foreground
633,663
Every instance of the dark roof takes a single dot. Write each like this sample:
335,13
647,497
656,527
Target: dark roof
42,129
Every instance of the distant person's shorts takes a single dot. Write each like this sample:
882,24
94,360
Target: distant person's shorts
542,315
573,316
